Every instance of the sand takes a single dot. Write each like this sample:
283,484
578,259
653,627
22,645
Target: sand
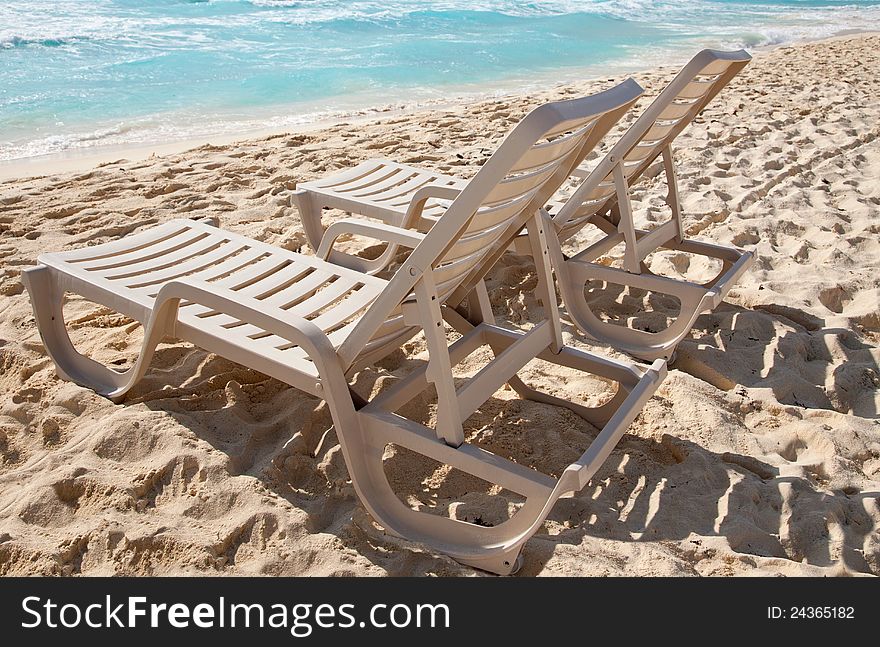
760,454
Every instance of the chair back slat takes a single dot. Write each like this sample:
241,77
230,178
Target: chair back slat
543,154
670,113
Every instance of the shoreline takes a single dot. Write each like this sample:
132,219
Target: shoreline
77,160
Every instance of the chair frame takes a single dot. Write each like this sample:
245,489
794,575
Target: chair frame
625,164
420,297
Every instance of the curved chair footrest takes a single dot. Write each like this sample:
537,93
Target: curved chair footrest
695,298
494,549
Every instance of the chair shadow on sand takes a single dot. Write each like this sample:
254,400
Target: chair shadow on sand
784,349
702,495
686,494
666,490
789,351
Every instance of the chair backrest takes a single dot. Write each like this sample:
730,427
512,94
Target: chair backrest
669,114
529,166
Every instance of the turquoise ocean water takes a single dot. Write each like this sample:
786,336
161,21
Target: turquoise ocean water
79,74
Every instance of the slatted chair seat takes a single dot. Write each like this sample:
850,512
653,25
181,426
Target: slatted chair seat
378,188
130,273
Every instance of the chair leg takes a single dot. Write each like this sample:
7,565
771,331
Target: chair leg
572,278
695,298
493,549
310,216
643,345
479,311
365,434
47,298
363,437
596,416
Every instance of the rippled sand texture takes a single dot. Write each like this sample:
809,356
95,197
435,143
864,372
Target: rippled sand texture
760,453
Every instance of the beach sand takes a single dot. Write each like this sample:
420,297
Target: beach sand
760,454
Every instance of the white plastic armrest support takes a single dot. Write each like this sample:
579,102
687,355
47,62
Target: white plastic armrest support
376,230
294,329
420,197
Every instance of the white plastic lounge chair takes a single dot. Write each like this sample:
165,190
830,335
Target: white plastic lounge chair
311,324
410,197
603,200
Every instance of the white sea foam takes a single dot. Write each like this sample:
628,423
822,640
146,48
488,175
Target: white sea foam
162,128
118,52
71,20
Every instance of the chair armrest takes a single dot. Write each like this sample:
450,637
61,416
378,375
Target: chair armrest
376,230
406,235
420,197
286,325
